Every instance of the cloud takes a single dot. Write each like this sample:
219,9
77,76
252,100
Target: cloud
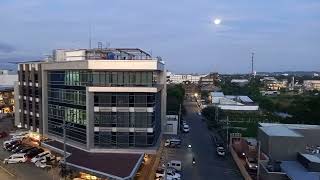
6,48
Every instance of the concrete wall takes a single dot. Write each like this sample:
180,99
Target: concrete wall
264,140
16,104
285,148
311,136
266,175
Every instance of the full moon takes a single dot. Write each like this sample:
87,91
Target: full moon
217,21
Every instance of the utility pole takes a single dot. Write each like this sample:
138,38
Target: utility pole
252,73
227,132
258,170
179,118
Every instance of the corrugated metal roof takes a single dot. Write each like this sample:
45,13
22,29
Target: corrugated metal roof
279,131
296,171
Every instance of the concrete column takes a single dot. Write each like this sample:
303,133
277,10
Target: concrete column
16,104
90,118
44,100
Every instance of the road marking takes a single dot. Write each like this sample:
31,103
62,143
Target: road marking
7,171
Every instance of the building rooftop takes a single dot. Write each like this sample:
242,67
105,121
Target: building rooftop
245,99
217,94
291,126
312,157
111,165
295,171
279,131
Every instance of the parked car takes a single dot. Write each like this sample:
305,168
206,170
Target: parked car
3,134
11,143
221,151
173,175
172,142
177,165
160,173
185,128
40,156
27,149
43,165
170,174
19,148
15,158
33,153
14,146
5,143
251,163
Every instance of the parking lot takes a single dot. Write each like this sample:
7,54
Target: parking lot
23,171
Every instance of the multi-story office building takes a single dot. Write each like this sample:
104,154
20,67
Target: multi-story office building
112,100
28,104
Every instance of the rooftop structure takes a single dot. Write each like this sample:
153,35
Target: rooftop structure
100,54
237,103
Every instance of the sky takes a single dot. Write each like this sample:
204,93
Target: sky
283,34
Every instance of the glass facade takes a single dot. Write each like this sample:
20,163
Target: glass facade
104,78
67,101
140,119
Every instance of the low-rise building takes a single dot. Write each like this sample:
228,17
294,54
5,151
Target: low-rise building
235,103
293,150
310,85
209,82
183,78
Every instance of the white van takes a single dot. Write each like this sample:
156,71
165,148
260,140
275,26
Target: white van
171,141
15,158
175,164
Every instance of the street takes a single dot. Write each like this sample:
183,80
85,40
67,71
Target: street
208,165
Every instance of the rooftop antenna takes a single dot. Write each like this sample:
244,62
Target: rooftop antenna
90,33
107,44
252,54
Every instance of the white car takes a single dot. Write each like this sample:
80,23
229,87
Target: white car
173,175
221,151
40,156
15,158
185,128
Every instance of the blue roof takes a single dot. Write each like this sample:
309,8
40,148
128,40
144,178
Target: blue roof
296,171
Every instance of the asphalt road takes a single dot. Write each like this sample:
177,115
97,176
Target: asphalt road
209,166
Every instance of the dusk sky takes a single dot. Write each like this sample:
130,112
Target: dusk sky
284,34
